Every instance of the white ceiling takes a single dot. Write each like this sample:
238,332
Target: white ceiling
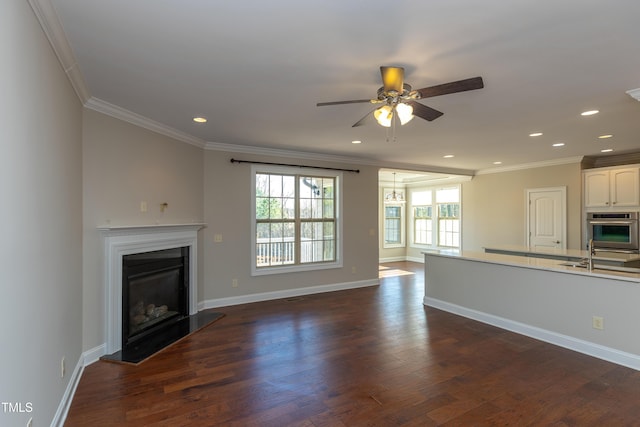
257,69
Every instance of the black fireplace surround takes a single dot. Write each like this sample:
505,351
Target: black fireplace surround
155,293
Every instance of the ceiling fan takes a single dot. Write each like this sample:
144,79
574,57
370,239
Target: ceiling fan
399,98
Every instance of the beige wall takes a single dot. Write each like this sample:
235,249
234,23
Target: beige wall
494,208
123,165
40,220
228,212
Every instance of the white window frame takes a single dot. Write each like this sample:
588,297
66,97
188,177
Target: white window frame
434,218
288,170
403,227
413,220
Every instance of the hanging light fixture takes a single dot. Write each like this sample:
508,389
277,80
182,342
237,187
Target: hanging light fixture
385,114
405,113
394,197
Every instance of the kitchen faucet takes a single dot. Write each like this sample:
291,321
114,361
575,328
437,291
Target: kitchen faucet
588,261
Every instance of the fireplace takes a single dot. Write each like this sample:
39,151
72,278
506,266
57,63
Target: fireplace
155,292
139,245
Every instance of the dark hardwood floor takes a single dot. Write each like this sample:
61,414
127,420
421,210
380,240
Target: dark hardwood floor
372,356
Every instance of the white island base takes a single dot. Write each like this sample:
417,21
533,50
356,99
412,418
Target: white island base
541,299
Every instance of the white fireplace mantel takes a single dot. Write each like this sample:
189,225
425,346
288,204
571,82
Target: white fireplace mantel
127,240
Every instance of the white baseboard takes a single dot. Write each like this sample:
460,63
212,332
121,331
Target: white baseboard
401,258
287,293
93,355
609,354
392,259
63,408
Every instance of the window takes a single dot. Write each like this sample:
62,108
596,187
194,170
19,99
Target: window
423,224
448,217
296,220
436,224
392,225
422,217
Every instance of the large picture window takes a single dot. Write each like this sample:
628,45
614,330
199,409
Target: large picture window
296,220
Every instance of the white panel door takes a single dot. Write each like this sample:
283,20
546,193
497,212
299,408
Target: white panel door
547,218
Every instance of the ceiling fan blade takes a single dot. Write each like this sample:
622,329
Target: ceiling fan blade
354,101
364,120
392,78
424,112
453,87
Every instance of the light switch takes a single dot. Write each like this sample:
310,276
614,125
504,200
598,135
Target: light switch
217,238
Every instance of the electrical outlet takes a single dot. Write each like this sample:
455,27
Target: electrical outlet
62,368
598,322
143,206
234,283
354,270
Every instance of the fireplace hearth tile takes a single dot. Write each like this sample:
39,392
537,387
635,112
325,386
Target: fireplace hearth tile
151,345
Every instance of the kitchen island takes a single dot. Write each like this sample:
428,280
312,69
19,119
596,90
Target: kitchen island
542,298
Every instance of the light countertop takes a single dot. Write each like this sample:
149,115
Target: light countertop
569,253
607,272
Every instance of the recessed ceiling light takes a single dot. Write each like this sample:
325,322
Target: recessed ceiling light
536,134
558,144
606,150
589,113
605,136
356,142
200,120
448,156
497,163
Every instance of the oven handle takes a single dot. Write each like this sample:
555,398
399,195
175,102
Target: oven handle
612,222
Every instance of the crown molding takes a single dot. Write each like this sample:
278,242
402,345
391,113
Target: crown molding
50,23
553,162
142,121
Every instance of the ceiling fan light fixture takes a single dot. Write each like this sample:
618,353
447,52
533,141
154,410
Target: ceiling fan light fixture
405,113
384,115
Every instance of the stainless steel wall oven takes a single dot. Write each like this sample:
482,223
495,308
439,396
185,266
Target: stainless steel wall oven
614,231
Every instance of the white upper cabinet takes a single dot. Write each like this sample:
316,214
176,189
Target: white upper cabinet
612,188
